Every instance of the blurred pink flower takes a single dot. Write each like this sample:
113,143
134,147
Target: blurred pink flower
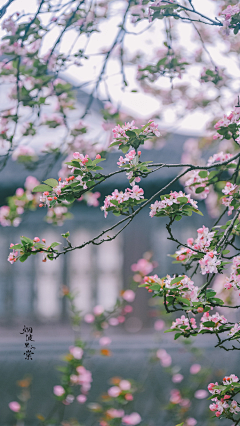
132,419
115,414
76,352
114,391
159,325
89,318
128,295
201,394
81,399
177,378
58,390
98,310
191,421
195,368
14,406
125,385
104,341
113,321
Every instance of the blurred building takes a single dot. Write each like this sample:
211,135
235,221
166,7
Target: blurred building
96,273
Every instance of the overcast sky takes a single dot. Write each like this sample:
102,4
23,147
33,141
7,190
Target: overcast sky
142,104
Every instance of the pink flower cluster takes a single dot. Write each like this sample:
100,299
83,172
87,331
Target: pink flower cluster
229,190
219,158
235,329
135,193
176,398
24,153
221,406
186,287
195,181
119,132
209,263
131,158
165,358
233,117
176,325
234,279
216,318
83,378
168,202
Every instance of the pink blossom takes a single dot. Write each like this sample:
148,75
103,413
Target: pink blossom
128,295
14,406
114,413
132,419
143,266
201,394
98,310
159,325
195,368
81,399
175,397
58,390
105,341
164,357
19,192
209,263
89,318
113,321
114,391
177,378
191,421
125,385
76,352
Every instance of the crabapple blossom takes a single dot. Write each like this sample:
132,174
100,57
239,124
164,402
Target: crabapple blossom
209,263
125,385
14,406
164,357
58,390
128,295
98,310
227,380
114,391
81,399
105,341
76,352
89,318
234,279
235,329
195,368
114,413
201,394
158,206
177,378
216,318
194,181
132,419
219,158
159,325
183,321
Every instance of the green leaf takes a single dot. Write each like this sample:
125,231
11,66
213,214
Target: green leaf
203,174
198,212
16,247
155,287
177,335
24,257
66,235
182,200
209,324
51,182
199,190
176,280
124,148
226,251
26,240
183,300
42,188
178,217
55,244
